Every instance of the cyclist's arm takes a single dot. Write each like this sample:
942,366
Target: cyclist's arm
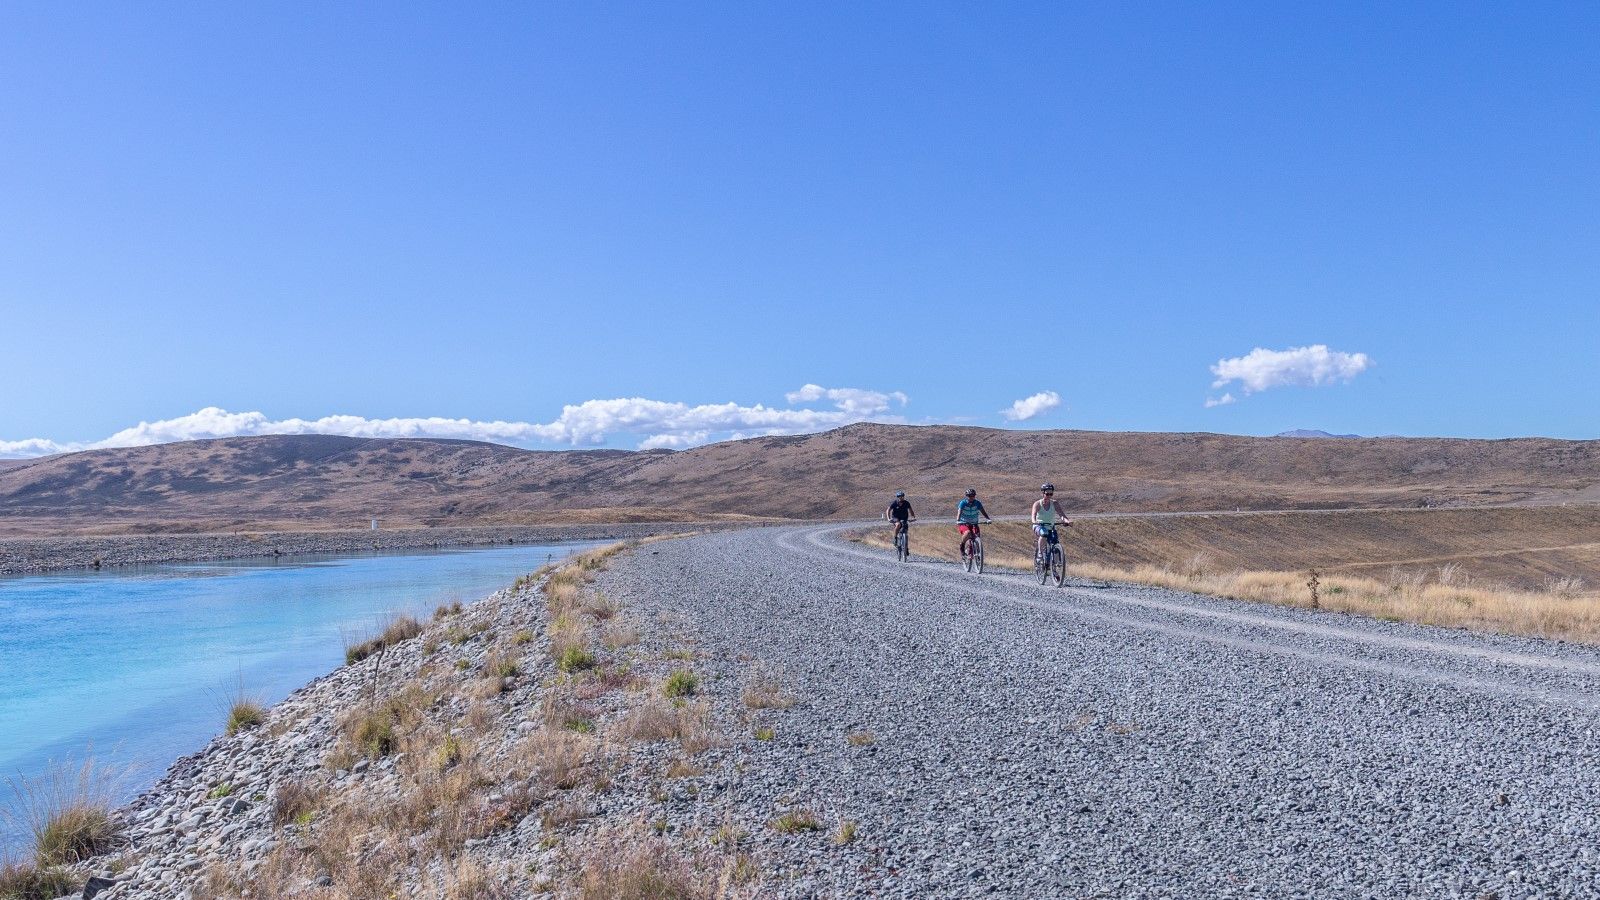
1034,513
983,511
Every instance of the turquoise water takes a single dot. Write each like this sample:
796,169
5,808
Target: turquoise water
139,664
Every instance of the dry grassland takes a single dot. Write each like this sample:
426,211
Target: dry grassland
1515,571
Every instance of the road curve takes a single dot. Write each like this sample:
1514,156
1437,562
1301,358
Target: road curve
1122,741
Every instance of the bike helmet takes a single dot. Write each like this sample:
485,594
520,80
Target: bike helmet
900,494
1047,486
971,492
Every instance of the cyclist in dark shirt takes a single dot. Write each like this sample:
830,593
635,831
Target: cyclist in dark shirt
900,513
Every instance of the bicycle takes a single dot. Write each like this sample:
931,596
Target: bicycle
971,550
1053,562
902,541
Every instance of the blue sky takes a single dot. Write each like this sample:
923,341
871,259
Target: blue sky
494,212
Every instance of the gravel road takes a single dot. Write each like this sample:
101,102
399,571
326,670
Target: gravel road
1132,742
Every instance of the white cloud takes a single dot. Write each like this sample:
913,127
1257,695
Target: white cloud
1311,366
660,423
1224,400
851,400
30,447
1028,407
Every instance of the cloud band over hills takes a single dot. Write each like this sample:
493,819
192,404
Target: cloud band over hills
658,423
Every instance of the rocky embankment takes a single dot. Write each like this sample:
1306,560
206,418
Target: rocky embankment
24,555
546,739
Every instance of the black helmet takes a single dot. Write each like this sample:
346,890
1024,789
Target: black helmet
1047,486
972,492
899,493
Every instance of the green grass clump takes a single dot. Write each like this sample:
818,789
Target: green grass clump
765,733
401,628
224,789
75,834
522,636
575,659
500,666
795,821
448,753
681,683
244,714
375,730
446,609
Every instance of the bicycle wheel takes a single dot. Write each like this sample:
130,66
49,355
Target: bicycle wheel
965,551
1058,565
977,555
1041,565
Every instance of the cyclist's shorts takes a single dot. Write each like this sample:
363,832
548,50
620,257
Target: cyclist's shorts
965,527
1045,531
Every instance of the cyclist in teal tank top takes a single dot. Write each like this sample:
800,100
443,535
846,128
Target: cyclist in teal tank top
967,513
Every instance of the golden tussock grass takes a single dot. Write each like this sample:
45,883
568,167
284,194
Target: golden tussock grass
1449,600
1443,595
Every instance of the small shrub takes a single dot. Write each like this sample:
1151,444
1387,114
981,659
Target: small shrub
501,666
522,636
639,868
765,733
560,712
796,821
448,753
457,635
443,610
556,815
295,801
463,664
558,758
684,768
26,881
620,634
681,683
224,789
653,721
575,659
766,692
846,832
375,730
245,714
600,607
67,812
400,628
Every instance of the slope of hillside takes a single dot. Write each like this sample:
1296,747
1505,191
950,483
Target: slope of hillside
324,481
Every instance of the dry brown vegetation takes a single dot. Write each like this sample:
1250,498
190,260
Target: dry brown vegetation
845,473
66,813
452,778
397,629
1489,570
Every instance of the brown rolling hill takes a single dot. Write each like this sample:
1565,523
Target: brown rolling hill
318,481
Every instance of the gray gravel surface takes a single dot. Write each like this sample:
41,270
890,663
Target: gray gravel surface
1129,742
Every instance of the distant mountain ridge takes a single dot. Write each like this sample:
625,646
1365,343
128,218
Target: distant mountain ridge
1312,433
307,481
